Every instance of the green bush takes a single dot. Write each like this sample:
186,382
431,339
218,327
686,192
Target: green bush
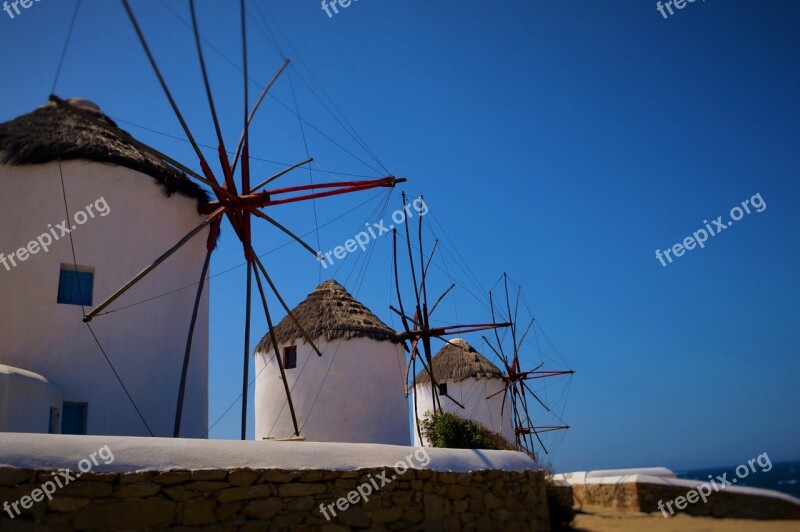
451,431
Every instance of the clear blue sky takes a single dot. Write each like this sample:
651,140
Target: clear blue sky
562,142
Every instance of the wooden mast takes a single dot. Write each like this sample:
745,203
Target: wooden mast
417,329
515,378
238,208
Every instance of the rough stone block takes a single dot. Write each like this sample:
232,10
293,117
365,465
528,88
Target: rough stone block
207,485
244,493
139,490
132,478
299,490
169,478
67,504
263,509
133,514
90,489
209,474
242,477
199,512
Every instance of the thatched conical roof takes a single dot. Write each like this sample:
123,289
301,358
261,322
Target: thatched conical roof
458,361
330,312
51,132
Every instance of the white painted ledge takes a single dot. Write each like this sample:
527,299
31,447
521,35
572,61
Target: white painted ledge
11,371
646,476
51,451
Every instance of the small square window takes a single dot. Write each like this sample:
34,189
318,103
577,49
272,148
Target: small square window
443,389
75,286
290,357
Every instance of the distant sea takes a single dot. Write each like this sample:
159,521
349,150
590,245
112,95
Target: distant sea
783,477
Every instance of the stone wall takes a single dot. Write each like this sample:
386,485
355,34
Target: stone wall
622,497
273,499
644,497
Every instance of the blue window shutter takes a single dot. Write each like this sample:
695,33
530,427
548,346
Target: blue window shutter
85,283
74,418
75,288
65,283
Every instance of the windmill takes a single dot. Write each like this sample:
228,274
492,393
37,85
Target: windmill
417,328
517,388
237,204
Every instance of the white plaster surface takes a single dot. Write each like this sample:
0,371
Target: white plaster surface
48,451
353,393
145,342
25,400
648,471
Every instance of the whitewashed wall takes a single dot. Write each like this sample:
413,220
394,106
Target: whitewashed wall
472,394
145,342
25,401
360,401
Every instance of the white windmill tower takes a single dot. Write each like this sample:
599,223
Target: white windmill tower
353,393
72,191
468,385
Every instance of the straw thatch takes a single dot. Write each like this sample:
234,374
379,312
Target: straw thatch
51,132
458,361
330,312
